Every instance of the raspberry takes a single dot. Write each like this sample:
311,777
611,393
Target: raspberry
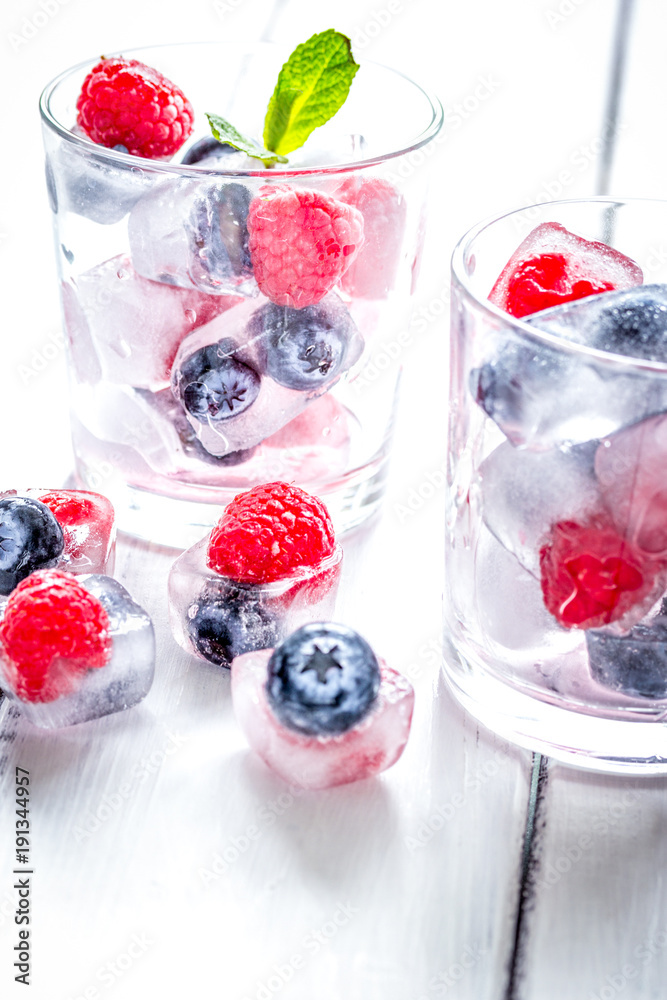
53,631
124,102
301,243
373,274
270,532
591,576
70,507
553,266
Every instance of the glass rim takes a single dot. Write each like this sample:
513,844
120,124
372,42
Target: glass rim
187,169
528,331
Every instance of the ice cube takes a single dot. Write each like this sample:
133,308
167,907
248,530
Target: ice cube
245,375
372,274
553,265
194,234
524,493
541,395
306,761
634,664
127,329
89,529
631,467
123,681
216,618
82,181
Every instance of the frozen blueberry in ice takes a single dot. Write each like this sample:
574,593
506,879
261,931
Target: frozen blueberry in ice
323,679
93,187
227,620
306,348
634,664
219,230
207,148
213,384
30,538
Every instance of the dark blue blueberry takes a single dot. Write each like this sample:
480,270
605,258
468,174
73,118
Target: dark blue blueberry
30,538
323,679
205,148
304,348
214,385
98,190
219,230
227,620
634,664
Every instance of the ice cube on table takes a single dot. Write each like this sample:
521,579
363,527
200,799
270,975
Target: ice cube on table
118,685
313,762
126,329
372,274
216,618
524,493
246,374
540,395
631,468
85,182
553,265
634,664
89,528
193,233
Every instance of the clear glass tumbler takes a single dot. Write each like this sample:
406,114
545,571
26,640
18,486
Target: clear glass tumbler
556,628
158,287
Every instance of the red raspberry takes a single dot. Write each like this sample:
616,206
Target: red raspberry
73,507
373,273
269,533
53,631
553,266
591,576
301,243
123,101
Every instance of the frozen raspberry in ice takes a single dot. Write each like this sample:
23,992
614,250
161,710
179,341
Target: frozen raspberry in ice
373,272
301,243
320,709
635,663
270,565
591,576
193,233
89,528
31,538
553,266
125,102
73,648
307,348
631,468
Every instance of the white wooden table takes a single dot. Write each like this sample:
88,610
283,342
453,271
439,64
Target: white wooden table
167,860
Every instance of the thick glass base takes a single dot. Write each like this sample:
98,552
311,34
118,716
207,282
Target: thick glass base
179,522
581,740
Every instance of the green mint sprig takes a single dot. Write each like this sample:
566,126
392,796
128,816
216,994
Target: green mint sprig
312,86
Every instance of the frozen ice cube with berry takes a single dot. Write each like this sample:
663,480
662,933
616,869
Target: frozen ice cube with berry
635,663
270,564
321,709
74,648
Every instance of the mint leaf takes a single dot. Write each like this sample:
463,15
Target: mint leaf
224,132
311,87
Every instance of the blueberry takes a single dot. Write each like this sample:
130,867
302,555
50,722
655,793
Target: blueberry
30,538
305,348
634,664
634,323
218,227
205,148
213,384
227,620
323,679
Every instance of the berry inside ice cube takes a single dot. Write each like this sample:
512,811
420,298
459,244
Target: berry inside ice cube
228,619
213,384
634,664
88,523
306,348
591,576
52,632
30,538
323,679
553,266
373,273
